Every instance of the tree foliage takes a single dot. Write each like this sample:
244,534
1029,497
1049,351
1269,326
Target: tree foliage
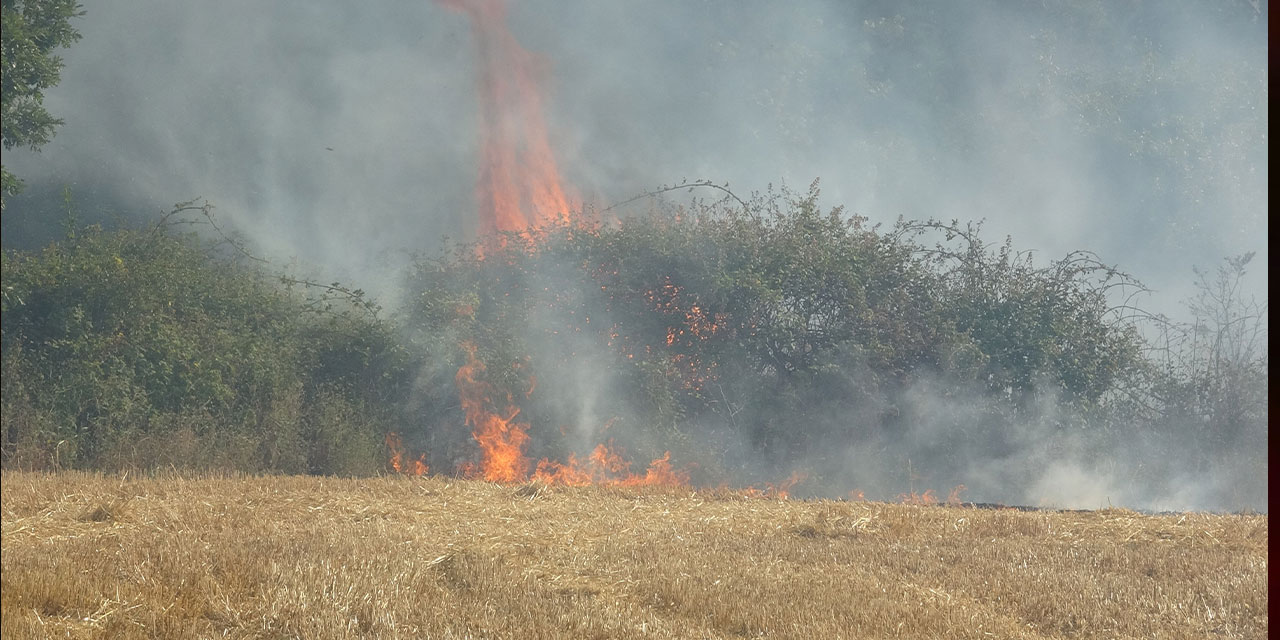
770,321
1211,372
144,348
33,29
767,325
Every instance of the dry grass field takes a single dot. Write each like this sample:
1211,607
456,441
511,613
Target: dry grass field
93,556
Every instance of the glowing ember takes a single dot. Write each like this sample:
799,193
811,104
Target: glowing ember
519,185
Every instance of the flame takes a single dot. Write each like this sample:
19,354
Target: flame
931,498
608,466
571,474
416,468
926,498
519,185
519,188
502,439
659,473
781,491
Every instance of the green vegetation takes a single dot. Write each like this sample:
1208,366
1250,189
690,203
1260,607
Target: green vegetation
774,322
768,331
33,29
736,334
146,348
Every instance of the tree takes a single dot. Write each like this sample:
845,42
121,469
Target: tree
1214,369
33,29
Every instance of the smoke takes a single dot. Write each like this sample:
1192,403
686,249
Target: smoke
1137,131
348,138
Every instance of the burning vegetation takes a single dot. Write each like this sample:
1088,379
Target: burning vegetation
730,343
519,190
519,185
756,322
759,338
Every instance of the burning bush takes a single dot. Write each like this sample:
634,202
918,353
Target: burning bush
771,323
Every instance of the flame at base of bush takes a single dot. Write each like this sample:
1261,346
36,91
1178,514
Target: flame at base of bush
502,441
398,460
607,467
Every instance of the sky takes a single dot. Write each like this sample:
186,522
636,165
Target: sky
344,136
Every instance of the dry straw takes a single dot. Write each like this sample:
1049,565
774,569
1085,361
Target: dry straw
93,556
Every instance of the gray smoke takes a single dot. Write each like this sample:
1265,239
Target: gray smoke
343,135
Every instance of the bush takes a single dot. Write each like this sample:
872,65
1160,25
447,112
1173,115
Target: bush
773,323
142,348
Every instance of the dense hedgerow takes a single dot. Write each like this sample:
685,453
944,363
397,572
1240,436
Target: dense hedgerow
775,323
142,348
768,330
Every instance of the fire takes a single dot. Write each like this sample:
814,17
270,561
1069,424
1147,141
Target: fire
926,498
931,498
502,439
519,189
607,466
781,491
571,474
416,468
659,473
519,185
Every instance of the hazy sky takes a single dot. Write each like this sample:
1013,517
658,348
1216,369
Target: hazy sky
1134,129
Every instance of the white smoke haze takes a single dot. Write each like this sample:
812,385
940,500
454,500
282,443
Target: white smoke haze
343,136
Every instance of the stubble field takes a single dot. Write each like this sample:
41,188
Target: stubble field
94,556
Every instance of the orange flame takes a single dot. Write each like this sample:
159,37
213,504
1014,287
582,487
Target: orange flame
519,185
931,498
608,467
501,439
519,188
416,468
926,498
781,491
659,473
571,474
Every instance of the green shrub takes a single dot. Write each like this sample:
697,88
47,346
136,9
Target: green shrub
142,348
775,322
